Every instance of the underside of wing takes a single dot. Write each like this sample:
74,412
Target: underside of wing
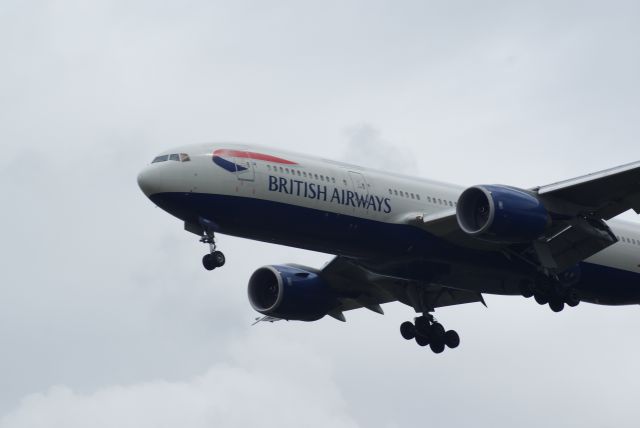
359,287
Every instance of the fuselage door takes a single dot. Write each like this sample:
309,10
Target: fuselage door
359,183
244,168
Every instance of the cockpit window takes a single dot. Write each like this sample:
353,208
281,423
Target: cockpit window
178,157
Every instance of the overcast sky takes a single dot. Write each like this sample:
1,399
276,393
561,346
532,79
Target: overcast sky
107,318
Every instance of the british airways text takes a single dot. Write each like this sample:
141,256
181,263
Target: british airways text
323,193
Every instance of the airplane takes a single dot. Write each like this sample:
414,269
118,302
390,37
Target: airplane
423,243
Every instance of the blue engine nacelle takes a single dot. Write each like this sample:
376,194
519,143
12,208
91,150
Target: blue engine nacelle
291,293
502,214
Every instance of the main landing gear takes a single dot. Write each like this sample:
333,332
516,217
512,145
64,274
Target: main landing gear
214,259
555,295
427,331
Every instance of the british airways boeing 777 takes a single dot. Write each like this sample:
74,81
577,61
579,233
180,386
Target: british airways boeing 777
424,243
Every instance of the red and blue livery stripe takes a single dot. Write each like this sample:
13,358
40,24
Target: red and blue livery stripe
224,159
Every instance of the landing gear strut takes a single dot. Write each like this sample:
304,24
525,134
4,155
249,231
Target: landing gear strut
214,259
427,331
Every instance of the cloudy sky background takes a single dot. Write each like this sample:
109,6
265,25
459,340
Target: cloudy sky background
108,319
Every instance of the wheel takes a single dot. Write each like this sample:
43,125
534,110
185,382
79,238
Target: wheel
437,347
451,339
526,291
572,298
437,331
556,305
408,330
208,262
422,340
423,327
541,299
219,258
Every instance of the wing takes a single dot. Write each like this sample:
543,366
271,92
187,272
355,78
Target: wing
602,195
359,287
579,207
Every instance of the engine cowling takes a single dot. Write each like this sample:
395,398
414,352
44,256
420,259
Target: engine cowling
502,214
290,292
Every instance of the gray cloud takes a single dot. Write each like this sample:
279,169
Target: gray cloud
366,144
98,288
247,390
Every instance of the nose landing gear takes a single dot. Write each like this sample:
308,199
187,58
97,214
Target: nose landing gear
214,259
427,331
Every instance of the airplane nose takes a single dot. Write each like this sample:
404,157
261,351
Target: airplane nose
149,181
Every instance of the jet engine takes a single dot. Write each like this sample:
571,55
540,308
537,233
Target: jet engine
291,293
502,214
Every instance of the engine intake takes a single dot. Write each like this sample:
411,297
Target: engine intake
501,213
290,292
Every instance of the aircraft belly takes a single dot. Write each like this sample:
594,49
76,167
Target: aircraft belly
352,236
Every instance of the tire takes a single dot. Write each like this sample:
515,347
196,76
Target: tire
451,339
572,298
422,340
526,291
556,305
437,331
219,258
541,299
437,347
208,262
408,330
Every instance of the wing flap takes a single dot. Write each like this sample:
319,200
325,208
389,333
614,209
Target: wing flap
573,244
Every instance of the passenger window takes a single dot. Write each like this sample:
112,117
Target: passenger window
160,158
299,174
322,178
316,176
450,203
395,192
304,174
333,180
417,197
390,192
402,193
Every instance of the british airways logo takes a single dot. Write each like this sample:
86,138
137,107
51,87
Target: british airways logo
323,193
228,159
225,159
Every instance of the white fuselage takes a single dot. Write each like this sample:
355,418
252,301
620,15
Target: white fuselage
318,204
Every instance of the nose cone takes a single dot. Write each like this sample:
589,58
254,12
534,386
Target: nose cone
150,181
